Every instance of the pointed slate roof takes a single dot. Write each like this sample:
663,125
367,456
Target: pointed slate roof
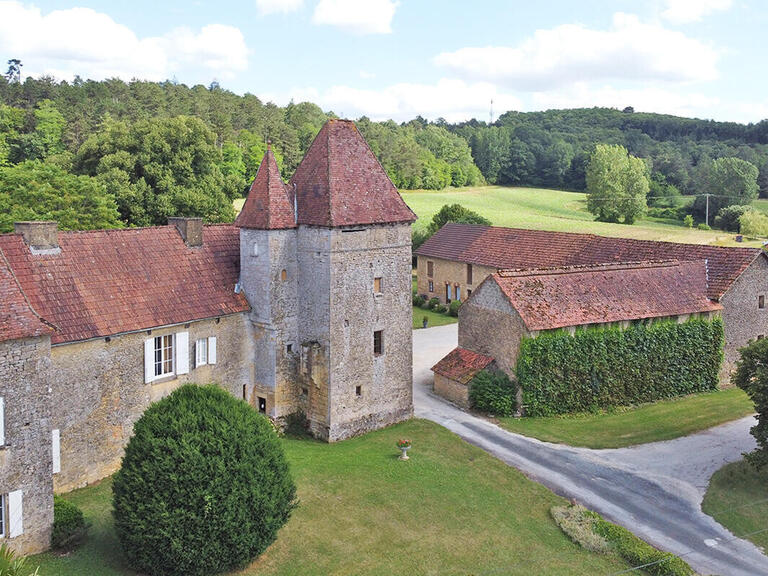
341,183
269,205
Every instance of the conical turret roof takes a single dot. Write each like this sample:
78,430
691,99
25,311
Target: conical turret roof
269,205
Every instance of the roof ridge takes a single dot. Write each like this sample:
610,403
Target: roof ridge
555,270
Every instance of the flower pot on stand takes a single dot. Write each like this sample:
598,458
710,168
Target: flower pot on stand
404,452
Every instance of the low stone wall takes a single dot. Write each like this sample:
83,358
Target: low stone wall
456,392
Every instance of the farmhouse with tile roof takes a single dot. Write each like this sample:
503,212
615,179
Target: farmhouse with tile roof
459,257
302,304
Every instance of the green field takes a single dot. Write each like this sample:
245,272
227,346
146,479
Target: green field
434,319
737,497
542,209
451,509
661,420
535,208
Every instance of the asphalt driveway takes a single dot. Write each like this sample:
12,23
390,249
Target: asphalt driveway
655,489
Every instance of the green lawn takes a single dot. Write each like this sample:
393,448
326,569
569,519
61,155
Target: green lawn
553,210
737,497
451,509
661,420
434,319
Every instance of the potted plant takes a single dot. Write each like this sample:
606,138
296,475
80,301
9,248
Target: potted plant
404,445
424,322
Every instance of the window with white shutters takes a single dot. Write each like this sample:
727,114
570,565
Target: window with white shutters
166,355
212,350
15,514
201,352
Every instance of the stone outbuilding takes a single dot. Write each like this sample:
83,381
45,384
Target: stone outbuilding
302,305
456,259
521,304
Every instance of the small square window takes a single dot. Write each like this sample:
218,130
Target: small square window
761,301
430,269
201,352
289,348
358,390
304,391
378,343
377,286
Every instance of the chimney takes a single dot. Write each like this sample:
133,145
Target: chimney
39,236
191,230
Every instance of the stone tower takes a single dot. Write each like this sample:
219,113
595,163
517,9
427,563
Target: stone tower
326,267
268,273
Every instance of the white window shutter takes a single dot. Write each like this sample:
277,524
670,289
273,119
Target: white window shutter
2,421
149,360
15,514
182,353
212,350
56,446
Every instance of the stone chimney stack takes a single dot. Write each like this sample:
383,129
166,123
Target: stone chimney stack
191,230
39,236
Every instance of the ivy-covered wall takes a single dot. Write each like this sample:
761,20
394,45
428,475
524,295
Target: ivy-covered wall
599,368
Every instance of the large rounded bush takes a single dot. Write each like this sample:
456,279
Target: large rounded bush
492,392
204,485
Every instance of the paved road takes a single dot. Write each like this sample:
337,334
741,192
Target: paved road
654,489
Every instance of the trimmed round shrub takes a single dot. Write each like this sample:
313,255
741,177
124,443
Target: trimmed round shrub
453,309
204,485
492,392
434,303
69,526
419,300
440,309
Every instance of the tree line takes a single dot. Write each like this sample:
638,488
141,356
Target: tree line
114,153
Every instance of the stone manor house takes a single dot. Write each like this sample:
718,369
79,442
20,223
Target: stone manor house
302,304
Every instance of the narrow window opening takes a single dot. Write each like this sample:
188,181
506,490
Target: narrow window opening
378,343
289,348
458,292
761,301
262,405
469,292
245,394
377,288
284,275
304,391
431,286
358,390
430,269
469,273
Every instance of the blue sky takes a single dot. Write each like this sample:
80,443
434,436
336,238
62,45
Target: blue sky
395,59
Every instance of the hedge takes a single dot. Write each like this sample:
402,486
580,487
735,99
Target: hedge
492,392
69,525
598,368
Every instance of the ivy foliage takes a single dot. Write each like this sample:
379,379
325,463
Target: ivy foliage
751,375
599,368
204,485
491,391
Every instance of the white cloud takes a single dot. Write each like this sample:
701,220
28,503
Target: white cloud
278,6
647,99
454,100
365,75
684,11
629,50
81,41
357,16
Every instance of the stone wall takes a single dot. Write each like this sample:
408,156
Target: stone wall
98,391
385,393
742,317
26,458
488,324
452,390
448,272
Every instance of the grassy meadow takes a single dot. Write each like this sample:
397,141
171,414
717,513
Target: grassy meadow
451,509
737,497
662,420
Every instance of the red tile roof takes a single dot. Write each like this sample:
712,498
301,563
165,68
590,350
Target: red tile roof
105,282
560,297
461,365
520,249
269,205
341,183
17,319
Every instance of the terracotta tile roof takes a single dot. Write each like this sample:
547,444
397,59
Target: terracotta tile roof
560,297
17,319
105,282
516,248
341,183
461,365
269,205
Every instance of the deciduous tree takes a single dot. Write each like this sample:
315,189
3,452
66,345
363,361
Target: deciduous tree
617,184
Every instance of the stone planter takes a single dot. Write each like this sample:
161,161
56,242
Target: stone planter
404,452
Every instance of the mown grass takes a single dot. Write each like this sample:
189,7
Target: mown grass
661,420
433,318
542,209
737,497
451,509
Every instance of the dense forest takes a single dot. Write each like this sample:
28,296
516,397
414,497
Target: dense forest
112,153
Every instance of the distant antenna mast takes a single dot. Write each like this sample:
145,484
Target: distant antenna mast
491,112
